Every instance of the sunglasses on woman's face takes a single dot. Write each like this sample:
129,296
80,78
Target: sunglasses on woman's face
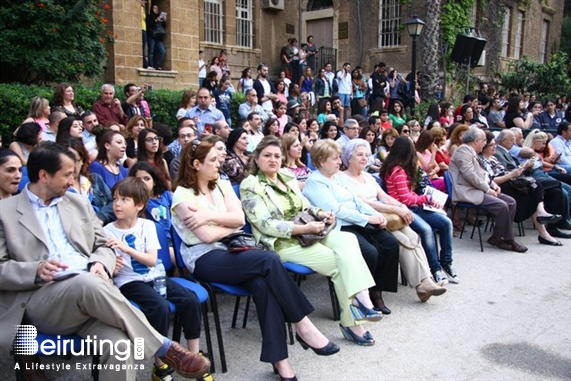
405,131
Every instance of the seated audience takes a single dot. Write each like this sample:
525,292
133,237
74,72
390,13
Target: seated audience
10,172
26,138
237,156
64,101
111,149
108,107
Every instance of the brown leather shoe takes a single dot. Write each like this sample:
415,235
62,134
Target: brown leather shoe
31,374
517,247
500,243
428,288
188,365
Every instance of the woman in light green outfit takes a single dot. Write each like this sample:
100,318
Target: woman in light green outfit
271,198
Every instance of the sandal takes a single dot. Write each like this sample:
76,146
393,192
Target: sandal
458,225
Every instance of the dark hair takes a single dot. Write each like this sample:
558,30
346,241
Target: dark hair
289,126
64,128
28,133
433,111
245,72
363,135
424,141
323,103
251,115
47,157
489,137
513,104
468,98
160,184
463,111
77,145
373,119
187,174
269,122
563,126
127,87
5,153
59,92
165,132
325,129
134,188
395,102
402,155
532,104
186,98
106,138
142,154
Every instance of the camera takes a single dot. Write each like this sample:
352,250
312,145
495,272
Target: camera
149,87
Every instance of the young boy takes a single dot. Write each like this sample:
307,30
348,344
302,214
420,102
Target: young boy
136,244
386,123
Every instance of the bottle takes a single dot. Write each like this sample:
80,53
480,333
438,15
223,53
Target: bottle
160,279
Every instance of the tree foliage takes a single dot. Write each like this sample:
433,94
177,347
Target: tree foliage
542,79
51,40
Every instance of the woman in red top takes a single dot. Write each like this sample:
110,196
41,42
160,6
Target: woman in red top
442,157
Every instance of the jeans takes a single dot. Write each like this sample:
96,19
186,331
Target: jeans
423,224
160,46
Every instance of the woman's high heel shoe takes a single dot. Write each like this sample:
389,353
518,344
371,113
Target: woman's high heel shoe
276,371
328,350
360,312
366,340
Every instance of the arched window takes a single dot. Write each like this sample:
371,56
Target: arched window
315,5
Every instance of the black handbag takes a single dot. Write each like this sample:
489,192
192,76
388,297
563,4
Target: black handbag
159,31
523,184
240,241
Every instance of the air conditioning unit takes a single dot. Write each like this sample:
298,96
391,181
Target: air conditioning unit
273,5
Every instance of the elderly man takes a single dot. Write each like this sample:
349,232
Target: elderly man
350,131
204,113
556,199
251,105
55,268
186,133
470,185
108,108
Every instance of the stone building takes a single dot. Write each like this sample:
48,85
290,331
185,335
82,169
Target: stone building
362,32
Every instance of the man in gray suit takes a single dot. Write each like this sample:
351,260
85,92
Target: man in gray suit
470,184
55,271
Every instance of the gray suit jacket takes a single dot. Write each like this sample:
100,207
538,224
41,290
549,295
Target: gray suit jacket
23,245
506,158
468,176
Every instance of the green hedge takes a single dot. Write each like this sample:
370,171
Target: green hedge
15,103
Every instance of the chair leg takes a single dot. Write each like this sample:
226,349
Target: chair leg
246,311
177,327
214,307
290,332
235,315
19,370
95,371
208,337
334,300
403,280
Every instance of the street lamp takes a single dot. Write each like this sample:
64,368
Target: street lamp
414,28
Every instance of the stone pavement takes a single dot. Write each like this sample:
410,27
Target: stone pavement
508,319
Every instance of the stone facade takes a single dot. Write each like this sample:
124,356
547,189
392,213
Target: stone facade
352,28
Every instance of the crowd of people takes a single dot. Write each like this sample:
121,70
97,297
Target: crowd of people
338,146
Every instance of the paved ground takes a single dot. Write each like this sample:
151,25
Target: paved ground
508,319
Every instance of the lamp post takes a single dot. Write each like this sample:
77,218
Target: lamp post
414,28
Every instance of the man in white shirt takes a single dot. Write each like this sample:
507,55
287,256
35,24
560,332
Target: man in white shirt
89,121
256,134
330,75
201,68
562,146
345,84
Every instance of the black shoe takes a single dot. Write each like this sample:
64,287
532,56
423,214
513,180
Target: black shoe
328,350
558,233
276,371
564,225
549,220
544,241
384,310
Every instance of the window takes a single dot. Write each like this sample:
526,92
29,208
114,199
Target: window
506,31
519,35
213,21
244,34
389,23
543,42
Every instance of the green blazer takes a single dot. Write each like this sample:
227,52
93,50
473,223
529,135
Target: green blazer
263,209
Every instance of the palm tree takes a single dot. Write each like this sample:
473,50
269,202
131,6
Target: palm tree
431,49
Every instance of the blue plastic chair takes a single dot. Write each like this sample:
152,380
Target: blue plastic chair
74,343
467,206
211,288
247,227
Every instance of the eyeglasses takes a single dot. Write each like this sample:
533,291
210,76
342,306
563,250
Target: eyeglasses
405,131
153,139
184,136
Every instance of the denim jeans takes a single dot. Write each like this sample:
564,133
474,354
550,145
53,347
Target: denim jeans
423,224
160,46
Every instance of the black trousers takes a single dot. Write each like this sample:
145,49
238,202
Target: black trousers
380,249
157,310
277,297
555,198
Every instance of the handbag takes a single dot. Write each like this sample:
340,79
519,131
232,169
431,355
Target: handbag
362,102
240,241
523,184
159,31
394,221
303,218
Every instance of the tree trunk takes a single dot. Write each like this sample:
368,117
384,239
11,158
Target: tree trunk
431,49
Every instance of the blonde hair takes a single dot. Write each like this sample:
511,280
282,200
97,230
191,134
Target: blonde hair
534,136
37,107
322,150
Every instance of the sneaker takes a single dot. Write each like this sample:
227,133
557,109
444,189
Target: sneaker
150,68
450,272
440,278
162,373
